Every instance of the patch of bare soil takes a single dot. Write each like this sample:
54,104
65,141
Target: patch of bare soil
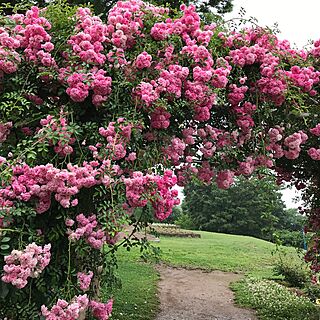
198,295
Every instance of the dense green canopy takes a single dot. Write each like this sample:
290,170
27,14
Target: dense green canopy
250,207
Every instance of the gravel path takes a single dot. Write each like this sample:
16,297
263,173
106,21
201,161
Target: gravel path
198,295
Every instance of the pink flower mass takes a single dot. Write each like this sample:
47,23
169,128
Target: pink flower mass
29,263
103,116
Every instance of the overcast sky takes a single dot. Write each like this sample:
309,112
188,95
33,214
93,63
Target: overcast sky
298,20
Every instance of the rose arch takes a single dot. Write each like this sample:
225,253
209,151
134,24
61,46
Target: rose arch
98,118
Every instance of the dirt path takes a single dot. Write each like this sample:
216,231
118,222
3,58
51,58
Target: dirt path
197,295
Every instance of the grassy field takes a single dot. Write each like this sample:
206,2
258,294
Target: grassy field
137,299
221,252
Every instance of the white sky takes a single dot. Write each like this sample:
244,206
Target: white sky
298,20
288,195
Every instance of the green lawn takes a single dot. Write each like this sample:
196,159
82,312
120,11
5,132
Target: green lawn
221,252
137,299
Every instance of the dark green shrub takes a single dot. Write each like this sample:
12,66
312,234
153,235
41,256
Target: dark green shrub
294,270
185,222
289,238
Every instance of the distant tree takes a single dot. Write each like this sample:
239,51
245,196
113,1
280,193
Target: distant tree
292,220
221,6
250,207
102,7
203,6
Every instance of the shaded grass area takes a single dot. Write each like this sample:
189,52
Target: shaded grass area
137,299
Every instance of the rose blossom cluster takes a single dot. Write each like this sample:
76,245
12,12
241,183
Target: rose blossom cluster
221,73
160,118
175,151
169,83
143,60
88,42
275,137
125,21
305,78
101,311
63,310
59,128
202,99
142,188
237,94
31,32
34,99
9,58
247,167
9,61
77,309
147,93
316,130
41,182
118,135
224,179
244,113
316,49
290,147
84,279
188,135
165,197
87,45
314,153
247,55
187,26
293,143
80,84
199,53
87,228
29,263
137,189
272,84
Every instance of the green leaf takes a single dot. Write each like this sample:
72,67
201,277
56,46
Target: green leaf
4,290
5,239
4,247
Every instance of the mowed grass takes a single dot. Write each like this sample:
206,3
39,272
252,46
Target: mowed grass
218,251
138,299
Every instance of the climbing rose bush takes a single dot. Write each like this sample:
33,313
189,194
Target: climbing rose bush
98,118
22,265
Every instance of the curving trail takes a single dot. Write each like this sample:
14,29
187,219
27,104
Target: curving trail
198,295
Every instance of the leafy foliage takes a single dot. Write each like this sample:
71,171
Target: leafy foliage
250,207
294,271
101,116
